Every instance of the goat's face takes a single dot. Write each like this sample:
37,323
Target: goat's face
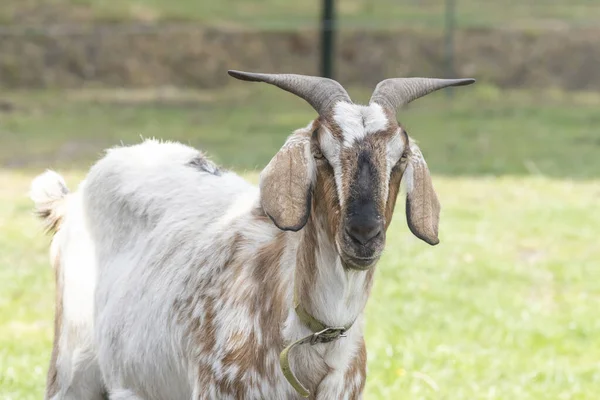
360,156
347,166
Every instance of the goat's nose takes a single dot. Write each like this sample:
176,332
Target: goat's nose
363,231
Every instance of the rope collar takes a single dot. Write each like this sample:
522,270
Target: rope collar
311,322
321,334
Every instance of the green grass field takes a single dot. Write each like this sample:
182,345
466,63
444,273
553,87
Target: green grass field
283,14
504,308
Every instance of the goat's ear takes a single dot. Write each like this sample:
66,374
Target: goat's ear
422,205
286,184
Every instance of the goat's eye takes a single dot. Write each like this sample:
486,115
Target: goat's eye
318,154
402,161
316,149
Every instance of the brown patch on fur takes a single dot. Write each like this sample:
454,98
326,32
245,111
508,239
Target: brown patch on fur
51,218
269,303
268,258
52,377
232,264
259,214
358,367
306,264
246,356
325,199
247,352
202,334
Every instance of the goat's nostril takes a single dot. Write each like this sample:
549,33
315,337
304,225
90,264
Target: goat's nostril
363,233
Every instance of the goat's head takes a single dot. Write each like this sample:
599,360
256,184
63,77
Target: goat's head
349,163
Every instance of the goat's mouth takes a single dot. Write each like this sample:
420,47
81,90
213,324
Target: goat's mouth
358,256
358,263
353,261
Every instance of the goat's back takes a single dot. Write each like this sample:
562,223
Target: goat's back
135,188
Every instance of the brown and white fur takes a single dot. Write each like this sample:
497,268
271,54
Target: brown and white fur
175,279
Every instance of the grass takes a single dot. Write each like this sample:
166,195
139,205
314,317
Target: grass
504,308
282,14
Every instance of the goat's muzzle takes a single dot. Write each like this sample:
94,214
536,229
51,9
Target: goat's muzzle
361,243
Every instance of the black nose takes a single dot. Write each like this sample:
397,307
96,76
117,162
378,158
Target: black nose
363,231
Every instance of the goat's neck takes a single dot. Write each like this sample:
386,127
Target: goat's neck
327,290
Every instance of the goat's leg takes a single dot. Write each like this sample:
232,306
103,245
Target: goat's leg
347,383
123,394
52,377
76,376
334,386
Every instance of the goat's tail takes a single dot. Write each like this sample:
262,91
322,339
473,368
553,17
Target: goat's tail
48,192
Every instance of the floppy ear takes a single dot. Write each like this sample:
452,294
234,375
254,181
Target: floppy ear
286,184
422,205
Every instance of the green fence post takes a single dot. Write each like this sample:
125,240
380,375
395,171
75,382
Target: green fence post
449,41
327,33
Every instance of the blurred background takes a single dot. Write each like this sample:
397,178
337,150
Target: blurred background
506,307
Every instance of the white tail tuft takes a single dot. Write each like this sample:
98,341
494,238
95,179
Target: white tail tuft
48,192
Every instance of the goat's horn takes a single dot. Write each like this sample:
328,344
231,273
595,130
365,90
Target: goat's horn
320,93
397,92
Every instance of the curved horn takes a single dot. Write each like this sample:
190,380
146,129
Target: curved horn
320,93
397,92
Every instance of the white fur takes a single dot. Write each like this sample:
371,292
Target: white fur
407,178
47,188
357,121
78,374
123,395
331,148
395,148
148,231
416,157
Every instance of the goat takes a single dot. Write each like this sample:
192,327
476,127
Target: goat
195,284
